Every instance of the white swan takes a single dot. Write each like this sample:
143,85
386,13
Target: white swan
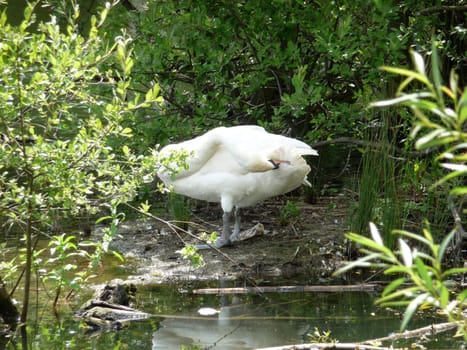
237,167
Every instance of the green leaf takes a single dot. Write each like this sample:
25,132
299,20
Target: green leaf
448,177
424,140
443,246
365,241
363,261
406,253
408,73
453,84
402,269
436,71
403,294
401,99
375,234
393,285
103,218
411,309
462,296
423,272
462,107
412,235
454,271
459,191
418,62
118,255
443,296
125,150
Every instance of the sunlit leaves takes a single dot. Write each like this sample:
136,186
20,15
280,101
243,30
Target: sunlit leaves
64,98
190,252
406,253
421,280
440,111
441,115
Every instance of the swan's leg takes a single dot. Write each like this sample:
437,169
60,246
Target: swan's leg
224,239
234,237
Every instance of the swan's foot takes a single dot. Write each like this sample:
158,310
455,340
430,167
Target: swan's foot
219,243
235,237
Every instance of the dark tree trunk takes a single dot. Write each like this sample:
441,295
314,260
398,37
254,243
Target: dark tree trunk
8,311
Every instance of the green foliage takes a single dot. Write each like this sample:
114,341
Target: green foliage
179,207
379,199
321,336
190,252
8,268
289,212
64,100
423,282
62,248
295,65
441,113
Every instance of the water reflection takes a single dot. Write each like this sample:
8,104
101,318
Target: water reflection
251,321
237,326
244,322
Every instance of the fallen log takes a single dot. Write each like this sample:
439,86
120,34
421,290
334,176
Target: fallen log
288,289
109,309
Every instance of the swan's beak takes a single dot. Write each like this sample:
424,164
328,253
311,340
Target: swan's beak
275,165
277,162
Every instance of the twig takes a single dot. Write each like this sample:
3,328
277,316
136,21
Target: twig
452,8
176,229
288,289
460,234
366,143
327,346
457,218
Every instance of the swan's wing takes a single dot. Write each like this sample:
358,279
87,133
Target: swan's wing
254,148
299,146
198,152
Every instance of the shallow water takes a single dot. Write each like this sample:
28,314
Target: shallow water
243,322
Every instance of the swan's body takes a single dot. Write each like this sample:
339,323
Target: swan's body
238,167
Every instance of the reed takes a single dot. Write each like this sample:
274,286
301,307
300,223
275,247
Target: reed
379,201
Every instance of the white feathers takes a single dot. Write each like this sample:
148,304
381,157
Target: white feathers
238,166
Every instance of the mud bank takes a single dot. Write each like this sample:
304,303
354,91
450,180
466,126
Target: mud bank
306,250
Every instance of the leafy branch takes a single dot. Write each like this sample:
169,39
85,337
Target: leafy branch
422,280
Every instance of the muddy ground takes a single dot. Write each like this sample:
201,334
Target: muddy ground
306,250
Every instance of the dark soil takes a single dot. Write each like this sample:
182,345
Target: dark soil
305,250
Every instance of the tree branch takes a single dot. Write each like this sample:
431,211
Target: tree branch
450,8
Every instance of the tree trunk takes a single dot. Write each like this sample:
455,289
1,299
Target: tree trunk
8,310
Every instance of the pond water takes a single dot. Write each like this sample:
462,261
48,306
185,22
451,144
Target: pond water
246,321
242,322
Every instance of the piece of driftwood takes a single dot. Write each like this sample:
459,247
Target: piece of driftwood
326,346
427,330
366,345
288,289
109,309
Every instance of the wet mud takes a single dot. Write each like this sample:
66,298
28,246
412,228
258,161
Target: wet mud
305,250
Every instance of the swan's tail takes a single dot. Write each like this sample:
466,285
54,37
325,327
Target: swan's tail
307,152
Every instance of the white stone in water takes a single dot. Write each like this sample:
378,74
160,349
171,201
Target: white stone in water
208,311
